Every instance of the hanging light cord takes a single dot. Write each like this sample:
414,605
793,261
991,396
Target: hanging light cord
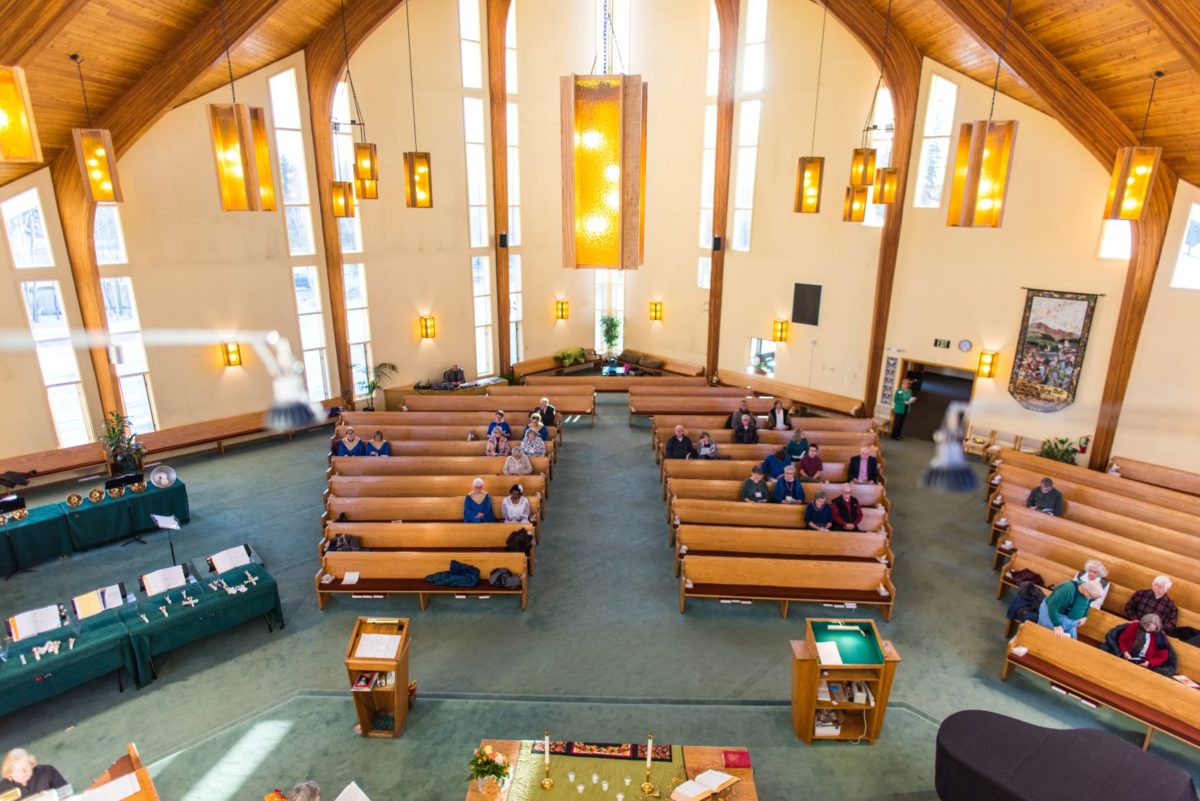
812,148
608,29
79,66
412,91
887,30
1146,121
358,116
1000,61
612,28
228,57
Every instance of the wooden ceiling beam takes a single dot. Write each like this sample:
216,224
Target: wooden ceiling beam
728,19
30,27
1179,23
497,24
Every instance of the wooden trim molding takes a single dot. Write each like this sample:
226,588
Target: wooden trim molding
324,63
728,18
902,75
497,24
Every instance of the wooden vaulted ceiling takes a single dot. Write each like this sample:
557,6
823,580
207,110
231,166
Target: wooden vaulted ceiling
1112,46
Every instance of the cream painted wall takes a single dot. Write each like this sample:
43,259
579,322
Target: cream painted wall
787,248
1158,421
963,283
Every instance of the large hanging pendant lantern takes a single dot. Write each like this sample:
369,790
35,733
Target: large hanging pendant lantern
418,180
810,170
862,166
18,132
342,197
854,208
366,189
886,182
983,161
1133,173
95,154
604,170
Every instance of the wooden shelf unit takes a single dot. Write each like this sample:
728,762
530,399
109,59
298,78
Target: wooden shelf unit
859,721
393,698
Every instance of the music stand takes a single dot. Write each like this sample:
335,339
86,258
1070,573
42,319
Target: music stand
167,523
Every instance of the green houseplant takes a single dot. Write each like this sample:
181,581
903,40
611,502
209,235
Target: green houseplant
1059,449
376,377
610,329
122,451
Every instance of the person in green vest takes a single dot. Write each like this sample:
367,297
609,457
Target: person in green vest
900,403
1065,609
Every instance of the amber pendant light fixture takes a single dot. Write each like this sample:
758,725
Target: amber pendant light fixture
983,161
418,165
241,148
95,154
864,170
810,171
19,142
365,170
1133,172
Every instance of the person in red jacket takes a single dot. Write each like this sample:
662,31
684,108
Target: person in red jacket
847,511
1140,642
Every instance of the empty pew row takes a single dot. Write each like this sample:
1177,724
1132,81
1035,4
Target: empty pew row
1155,475
729,470
775,543
614,383
434,537
805,397
786,581
429,466
693,403
550,391
763,515
403,573
413,510
445,447
533,486
658,388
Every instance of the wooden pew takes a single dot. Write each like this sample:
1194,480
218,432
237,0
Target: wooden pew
728,490
431,486
658,388
768,436
516,420
803,396
1155,474
538,392
828,451
695,423
428,466
444,447
614,383
657,405
762,515
1099,622
566,404
390,433
1157,702
414,510
722,469
404,572
550,365
786,580
852,546
429,537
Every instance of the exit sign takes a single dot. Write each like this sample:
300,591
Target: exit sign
941,343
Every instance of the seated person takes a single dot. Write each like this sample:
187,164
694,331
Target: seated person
535,425
1065,609
454,375
864,468
515,505
754,489
1141,642
798,445
819,514
378,446
788,489
746,431
1045,498
678,446
306,791
706,448
811,464
532,444
351,445
547,411
773,465
1094,570
517,464
20,771
1154,601
499,422
847,511
779,418
477,506
497,444
736,416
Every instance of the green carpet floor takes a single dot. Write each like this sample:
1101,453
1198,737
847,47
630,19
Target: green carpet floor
602,653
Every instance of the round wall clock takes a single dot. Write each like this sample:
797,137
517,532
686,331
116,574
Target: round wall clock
965,345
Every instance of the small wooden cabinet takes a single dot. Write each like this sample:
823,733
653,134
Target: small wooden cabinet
821,688
378,674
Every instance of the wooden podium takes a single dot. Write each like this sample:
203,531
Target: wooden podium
383,669
865,659
135,779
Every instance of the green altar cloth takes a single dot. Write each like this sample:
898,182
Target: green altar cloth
214,612
857,644
101,647
8,562
527,775
41,536
113,519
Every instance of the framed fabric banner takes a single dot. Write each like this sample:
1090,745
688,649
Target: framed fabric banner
1054,336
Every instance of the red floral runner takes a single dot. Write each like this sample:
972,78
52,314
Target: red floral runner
662,753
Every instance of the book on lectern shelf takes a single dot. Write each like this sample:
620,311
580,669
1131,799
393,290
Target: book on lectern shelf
366,680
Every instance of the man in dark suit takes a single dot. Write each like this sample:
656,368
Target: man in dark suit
678,446
547,411
454,375
864,468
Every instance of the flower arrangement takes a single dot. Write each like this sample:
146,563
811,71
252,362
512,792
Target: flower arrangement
487,763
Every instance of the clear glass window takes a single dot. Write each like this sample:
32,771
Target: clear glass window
762,357
26,227
285,100
109,236
1187,265
1116,240
69,412
704,272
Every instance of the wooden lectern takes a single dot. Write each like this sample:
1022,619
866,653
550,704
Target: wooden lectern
129,765
377,667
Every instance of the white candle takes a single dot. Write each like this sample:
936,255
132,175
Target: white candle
546,746
649,749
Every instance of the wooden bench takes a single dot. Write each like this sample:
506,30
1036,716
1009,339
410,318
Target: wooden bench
404,572
728,470
668,366
566,404
539,392
785,581
551,365
762,515
803,396
375,420
390,433
837,447
442,447
696,423
1099,622
434,537
728,490
414,510
1155,474
613,383
774,543
1157,702
656,405
431,486
429,466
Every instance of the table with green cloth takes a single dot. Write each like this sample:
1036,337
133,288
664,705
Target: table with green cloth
214,612
113,519
8,560
41,536
102,646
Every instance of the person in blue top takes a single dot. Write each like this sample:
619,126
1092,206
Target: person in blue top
787,488
351,445
819,514
499,423
477,506
378,446
535,425
774,464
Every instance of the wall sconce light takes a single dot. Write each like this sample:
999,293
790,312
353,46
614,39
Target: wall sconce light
231,354
562,309
428,328
987,364
342,196
18,132
855,207
656,310
779,331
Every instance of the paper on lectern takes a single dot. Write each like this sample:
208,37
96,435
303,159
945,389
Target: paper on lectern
352,793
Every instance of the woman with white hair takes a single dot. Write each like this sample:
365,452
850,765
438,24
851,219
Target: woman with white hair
305,791
1094,570
533,445
20,771
477,506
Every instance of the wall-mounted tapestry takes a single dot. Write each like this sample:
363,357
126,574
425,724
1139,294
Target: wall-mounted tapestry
1054,336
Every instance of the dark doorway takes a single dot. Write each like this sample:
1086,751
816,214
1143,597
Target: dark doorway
935,387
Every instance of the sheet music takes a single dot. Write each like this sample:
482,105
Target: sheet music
828,653
35,621
113,596
377,646
117,789
166,521
88,604
230,558
352,793
168,578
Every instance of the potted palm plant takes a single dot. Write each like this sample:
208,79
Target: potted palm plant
376,377
610,330
123,453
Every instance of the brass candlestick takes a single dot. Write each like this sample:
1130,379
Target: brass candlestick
547,782
647,786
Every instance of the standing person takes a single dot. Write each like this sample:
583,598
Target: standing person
901,402
20,771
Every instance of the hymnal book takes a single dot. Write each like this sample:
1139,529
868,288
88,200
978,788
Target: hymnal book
350,577
230,558
377,646
828,653
164,580
365,681
823,692
96,601
736,759
1186,682
37,621
166,521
